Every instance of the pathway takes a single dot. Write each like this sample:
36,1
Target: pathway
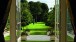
38,38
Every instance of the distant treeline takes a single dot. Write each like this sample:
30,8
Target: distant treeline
36,12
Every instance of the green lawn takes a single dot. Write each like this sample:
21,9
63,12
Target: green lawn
7,38
38,25
38,33
37,28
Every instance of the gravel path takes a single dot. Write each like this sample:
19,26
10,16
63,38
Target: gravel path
38,38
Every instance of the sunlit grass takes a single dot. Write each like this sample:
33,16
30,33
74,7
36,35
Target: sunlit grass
7,38
37,28
38,25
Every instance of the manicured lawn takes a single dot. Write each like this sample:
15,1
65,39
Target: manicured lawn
38,25
38,33
37,28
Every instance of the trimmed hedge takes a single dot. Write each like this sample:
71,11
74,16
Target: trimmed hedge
38,33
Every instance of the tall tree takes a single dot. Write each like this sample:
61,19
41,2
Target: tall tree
51,18
44,12
39,10
26,16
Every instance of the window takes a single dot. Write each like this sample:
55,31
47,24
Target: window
60,21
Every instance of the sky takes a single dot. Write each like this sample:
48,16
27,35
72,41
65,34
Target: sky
50,3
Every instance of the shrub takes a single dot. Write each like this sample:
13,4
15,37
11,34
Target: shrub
23,33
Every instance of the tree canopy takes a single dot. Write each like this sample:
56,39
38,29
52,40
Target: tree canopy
51,18
39,10
26,16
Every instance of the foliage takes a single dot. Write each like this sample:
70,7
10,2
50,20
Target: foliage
44,12
38,33
51,18
39,10
26,16
23,33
